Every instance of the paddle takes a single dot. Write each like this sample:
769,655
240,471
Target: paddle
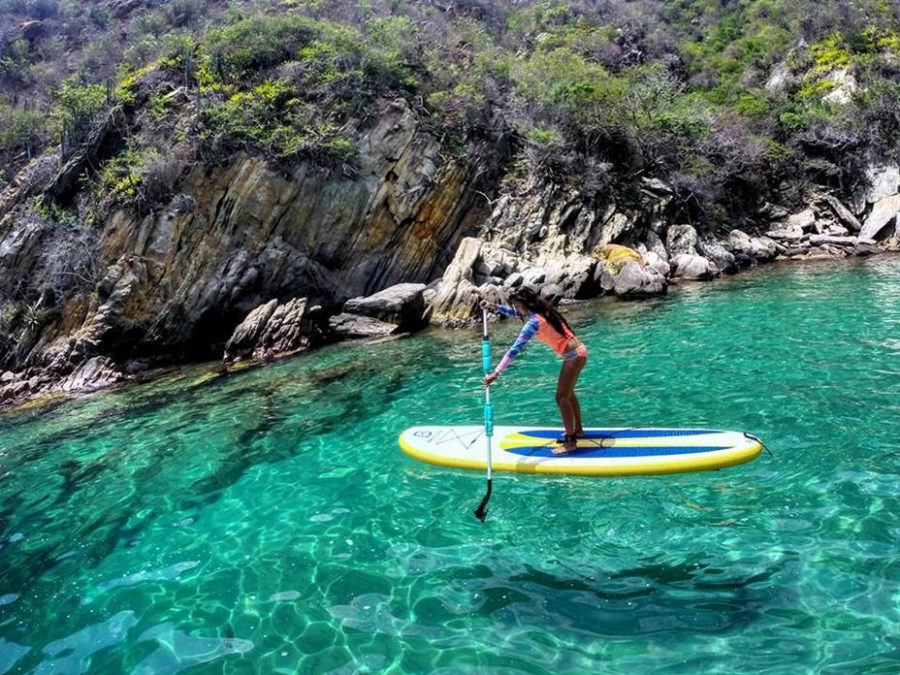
481,511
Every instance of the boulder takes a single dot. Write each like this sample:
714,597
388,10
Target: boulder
693,267
95,373
456,299
271,330
882,221
780,79
615,257
681,239
534,276
655,262
821,239
573,277
845,85
836,230
843,213
513,280
636,281
763,248
402,304
883,181
865,249
718,255
655,245
786,232
741,247
351,326
13,390
805,220
246,336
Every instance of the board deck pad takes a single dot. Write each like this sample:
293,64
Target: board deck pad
602,452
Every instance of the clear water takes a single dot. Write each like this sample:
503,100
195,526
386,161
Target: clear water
267,522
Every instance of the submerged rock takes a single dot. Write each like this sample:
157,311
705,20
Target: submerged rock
351,326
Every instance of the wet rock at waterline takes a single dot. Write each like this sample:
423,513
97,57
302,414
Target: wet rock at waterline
271,330
402,304
95,373
355,326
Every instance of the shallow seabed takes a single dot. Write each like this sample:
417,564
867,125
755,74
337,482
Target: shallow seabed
267,521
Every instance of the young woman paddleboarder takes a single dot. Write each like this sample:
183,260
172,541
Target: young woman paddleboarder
542,320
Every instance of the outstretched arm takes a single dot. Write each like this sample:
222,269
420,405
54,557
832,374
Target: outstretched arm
528,331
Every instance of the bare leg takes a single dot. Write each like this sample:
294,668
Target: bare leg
565,399
576,414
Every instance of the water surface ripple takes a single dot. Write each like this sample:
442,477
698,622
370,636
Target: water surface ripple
267,522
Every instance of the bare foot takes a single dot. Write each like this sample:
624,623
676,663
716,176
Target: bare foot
570,445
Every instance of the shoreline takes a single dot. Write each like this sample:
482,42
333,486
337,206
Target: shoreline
215,369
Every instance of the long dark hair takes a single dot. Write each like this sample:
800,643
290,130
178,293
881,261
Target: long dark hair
535,303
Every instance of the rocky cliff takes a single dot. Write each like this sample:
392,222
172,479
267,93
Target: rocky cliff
278,254
175,282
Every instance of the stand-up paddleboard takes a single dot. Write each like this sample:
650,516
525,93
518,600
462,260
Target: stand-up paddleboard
603,452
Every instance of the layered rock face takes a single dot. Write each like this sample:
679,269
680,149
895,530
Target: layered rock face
234,237
295,260
571,248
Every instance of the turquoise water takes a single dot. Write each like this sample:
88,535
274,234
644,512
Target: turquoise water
267,522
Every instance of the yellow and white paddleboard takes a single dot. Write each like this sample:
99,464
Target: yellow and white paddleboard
603,452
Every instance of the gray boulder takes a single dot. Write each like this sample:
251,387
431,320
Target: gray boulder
843,213
882,221
805,220
693,267
635,281
355,326
717,254
456,299
883,181
681,239
402,304
271,330
786,232
95,373
763,248
821,239
655,262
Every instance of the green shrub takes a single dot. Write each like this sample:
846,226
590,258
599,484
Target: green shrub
752,105
273,118
77,103
14,60
258,43
830,54
22,130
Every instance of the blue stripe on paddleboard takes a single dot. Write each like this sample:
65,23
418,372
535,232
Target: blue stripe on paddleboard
621,433
544,451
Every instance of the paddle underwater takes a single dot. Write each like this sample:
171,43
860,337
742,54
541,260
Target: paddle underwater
481,511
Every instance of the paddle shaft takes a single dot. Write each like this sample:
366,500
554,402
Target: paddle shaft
481,511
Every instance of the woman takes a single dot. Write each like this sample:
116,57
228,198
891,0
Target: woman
549,326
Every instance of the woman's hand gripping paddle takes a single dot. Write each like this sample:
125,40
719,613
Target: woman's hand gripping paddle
481,511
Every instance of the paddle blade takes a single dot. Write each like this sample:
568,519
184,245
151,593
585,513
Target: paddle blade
481,511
